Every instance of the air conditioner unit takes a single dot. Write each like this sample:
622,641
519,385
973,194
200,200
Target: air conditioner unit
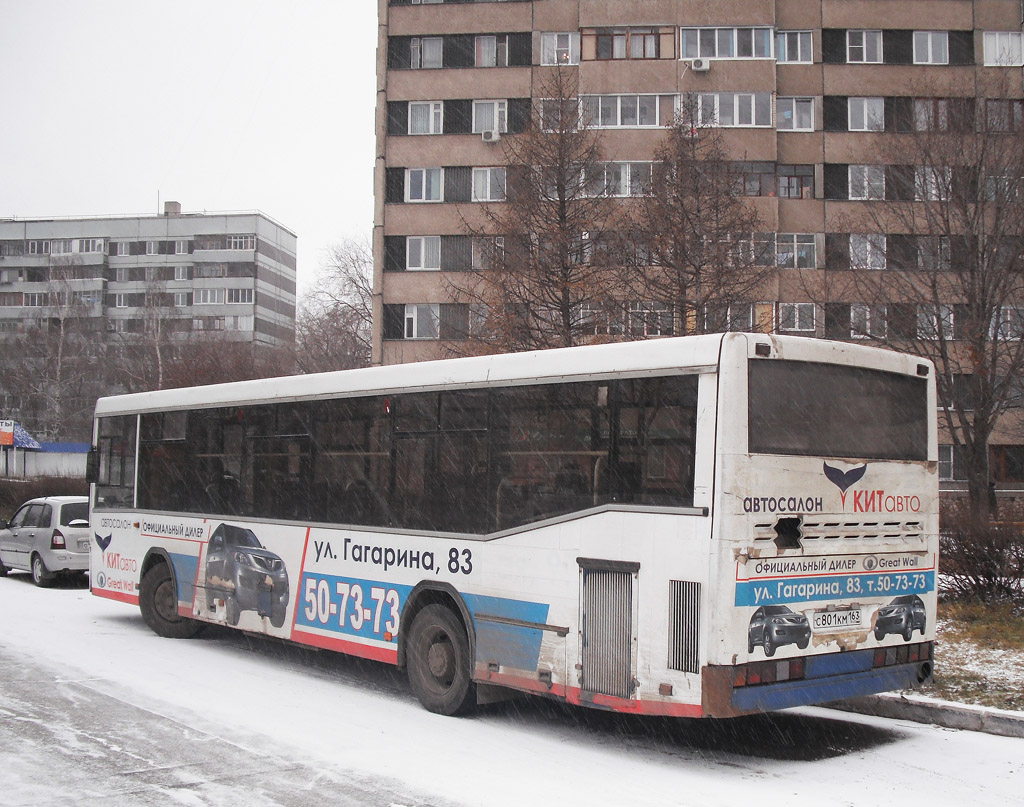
700,65
490,135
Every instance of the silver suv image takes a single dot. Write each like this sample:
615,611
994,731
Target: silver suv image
245,575
903,615
772,626
47,537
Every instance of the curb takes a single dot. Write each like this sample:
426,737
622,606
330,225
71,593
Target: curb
939,713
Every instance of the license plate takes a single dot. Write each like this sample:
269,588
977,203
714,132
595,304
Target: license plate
829,621
83,546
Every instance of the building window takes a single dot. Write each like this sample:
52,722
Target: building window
34,299
795,181
208,296
933,253
931,114
121,274
123,248
60,246
425,52
422,320
867,321
487,252
795,251
1004,115
607,111
735,109
423,252
488,184
935,322
650,319
90,245
560,48
490,116
152,247
793,46
120,300
239,296
795,114
620,179
181,247
38,247
726,43
554,112
181,273
931,183
867,114
946,463
867,251
245,242
867,182
152,273
628,43
426,117
490,51
796,317
931,47
1004,48
423,184
864,47
1009,323
242,322
181,299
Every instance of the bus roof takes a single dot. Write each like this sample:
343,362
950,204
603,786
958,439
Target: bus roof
694,353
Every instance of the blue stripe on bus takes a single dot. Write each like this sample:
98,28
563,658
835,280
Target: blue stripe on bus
832,587
768,697
838,663
185,574
512,646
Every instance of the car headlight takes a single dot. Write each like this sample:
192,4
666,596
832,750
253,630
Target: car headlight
245,559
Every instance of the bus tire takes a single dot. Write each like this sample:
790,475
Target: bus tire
158,602
438,662
40,576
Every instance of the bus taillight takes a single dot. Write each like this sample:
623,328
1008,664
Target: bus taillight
768,672
904,654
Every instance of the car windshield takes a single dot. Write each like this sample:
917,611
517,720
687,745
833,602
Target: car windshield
776,610
907,599
239,536
76,511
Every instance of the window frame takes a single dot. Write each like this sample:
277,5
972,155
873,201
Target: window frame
995,36
423,252
423,185
799,324
864,46
499,114
928,40
864,102
804,40
550,49
491,182
761,38
793,102
435,117
416,315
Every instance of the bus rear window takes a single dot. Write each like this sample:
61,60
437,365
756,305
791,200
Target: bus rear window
829,410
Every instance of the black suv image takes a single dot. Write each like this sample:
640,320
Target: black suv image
772,626
903,615
245,575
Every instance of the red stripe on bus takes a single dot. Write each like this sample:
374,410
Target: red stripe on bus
385,654
132,599
298,588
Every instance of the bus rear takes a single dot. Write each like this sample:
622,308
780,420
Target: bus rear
825,524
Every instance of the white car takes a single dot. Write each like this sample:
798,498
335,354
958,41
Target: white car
47,537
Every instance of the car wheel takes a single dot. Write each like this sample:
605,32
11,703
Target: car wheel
231,612
750,646
879,634
40,576
3,569
277,618
802,644
908,632
439,666
766,643
158,602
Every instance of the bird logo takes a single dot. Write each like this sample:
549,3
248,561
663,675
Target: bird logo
104,542
844,480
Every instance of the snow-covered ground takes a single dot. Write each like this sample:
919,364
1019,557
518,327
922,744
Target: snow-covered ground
229,720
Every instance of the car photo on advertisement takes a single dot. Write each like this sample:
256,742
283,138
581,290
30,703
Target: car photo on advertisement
773,626
245,575
903,615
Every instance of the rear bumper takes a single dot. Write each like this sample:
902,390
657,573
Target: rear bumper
61,560
829,677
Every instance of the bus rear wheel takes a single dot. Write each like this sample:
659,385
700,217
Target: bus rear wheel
439,666
158,602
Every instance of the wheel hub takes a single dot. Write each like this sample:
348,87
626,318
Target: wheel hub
441,660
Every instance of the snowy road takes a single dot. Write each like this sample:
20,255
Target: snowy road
94,708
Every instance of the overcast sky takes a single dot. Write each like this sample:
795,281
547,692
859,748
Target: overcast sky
116,106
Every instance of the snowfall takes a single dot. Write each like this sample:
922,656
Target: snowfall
94,708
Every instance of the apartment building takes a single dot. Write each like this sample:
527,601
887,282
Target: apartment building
186,274
809,94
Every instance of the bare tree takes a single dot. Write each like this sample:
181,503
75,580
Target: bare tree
950,235
334,326
698,240
542,255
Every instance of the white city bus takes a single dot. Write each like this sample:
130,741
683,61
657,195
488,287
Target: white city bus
700,526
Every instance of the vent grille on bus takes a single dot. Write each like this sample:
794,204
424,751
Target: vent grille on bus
813,531
607,653
684,640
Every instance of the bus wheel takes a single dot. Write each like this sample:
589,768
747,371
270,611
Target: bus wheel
438,662
158,602
40,576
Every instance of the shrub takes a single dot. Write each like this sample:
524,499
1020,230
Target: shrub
979,561
14,492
